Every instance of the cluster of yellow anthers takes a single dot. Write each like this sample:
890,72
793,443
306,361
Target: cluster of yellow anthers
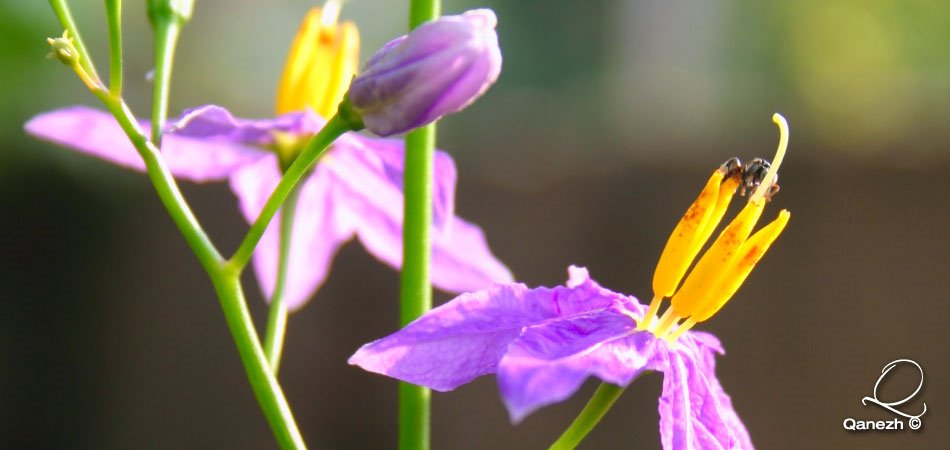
726,263
323,59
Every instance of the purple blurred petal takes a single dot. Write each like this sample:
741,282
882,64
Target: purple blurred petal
217,124
96,133
317,234
466,337
385,159
370,175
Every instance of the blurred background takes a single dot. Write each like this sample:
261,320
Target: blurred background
606,121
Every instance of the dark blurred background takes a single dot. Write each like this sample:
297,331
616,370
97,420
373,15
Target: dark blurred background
607,119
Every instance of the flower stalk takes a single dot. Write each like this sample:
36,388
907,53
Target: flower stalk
277,312
598,405
167,18
415,293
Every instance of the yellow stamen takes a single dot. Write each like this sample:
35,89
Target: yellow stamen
682,246
769,178
650,314
686,326
666,322
323,59
741,265
710,268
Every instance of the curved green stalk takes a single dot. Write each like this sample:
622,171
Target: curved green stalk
596,407
277,313
318,145
224,276
415,293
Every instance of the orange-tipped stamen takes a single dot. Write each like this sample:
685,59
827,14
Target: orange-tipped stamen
745,259
710,268
682,246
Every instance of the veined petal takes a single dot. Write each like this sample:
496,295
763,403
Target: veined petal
467,337
550,361
317,232
96,133
692,413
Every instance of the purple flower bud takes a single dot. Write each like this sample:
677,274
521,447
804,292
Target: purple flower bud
439,68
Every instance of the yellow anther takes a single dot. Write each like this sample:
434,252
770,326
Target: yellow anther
684,244
711,267
727,262
323,59
741,265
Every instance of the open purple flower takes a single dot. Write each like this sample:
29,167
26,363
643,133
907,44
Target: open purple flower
439,68
356,190
542,343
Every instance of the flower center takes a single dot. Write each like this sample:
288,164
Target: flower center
730,258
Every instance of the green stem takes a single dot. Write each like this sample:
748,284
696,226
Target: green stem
226,280
263,381
66,20
223,275
114,11
166,38
603,399
320,142
415,293
277,314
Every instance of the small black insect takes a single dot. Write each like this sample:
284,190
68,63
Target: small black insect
750,175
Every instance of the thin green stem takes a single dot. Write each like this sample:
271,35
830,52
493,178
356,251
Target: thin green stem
226,280
277,314
415,294
66,20
597,406
263,381
320,142
166,38
114,13
223,275
165,185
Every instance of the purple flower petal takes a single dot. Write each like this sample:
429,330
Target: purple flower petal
216,124
550,361
369,175
692,413
467,337
439,68
384,159
96,133
317,232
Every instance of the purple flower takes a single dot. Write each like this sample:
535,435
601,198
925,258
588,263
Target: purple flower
355,190
439,68
543,343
